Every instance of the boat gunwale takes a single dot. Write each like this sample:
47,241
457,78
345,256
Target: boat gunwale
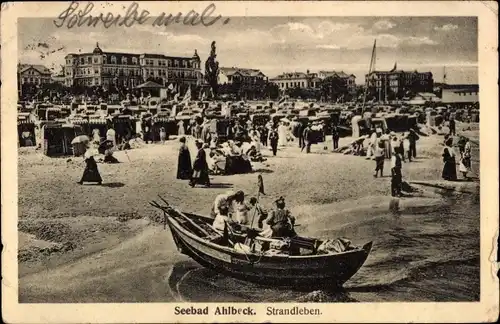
179,227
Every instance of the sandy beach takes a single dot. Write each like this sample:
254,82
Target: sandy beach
100,243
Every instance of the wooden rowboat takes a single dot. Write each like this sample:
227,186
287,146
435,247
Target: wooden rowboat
195,237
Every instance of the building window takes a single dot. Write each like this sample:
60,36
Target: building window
124,60
134,60
113,59
96,71
104,59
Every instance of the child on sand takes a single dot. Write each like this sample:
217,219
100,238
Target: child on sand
379,154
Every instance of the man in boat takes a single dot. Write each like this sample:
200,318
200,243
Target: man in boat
281,221
226,200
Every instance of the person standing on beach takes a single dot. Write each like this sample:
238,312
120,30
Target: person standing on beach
465,161
91,173
396,174
180,130
379,159
264,132
307,134
163,135
449,169
335,137
273,140
200,167
299,130
372,144
452,125
184,169
412,139
386,139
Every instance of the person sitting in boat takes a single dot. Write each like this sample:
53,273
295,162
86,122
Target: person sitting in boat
222,218
226,200
281,221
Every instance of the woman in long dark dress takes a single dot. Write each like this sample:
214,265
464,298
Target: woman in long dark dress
200,167
184,169
449,168
91,173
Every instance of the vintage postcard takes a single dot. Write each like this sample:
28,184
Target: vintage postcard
259,161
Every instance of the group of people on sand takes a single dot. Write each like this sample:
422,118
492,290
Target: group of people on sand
450,161
231,210
196,173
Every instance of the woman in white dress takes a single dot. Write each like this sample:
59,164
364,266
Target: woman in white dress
282,130
181,130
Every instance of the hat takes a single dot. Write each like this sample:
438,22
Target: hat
280,200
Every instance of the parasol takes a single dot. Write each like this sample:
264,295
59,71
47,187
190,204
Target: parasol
80,139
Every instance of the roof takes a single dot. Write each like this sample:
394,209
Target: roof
242,71
398,72
40,68
149,84
292,75
340,74
462,87
119,56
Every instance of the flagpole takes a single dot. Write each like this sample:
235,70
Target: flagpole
369,71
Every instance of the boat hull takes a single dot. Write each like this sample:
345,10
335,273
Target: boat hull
324,271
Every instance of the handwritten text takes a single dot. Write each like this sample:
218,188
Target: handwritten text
72,17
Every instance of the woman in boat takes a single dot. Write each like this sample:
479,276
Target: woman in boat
449,169
222,218
184,169
465,161
200,167
91,173
281,221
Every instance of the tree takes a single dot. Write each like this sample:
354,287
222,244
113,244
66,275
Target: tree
333,87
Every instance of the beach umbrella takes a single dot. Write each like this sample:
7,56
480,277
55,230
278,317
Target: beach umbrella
80,139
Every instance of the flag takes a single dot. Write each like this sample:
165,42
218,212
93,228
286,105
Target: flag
187,96
282,100
261,184
171,87
176,97
395,67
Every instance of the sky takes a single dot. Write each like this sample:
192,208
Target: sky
279,44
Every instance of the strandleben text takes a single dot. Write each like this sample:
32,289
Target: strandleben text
247,311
